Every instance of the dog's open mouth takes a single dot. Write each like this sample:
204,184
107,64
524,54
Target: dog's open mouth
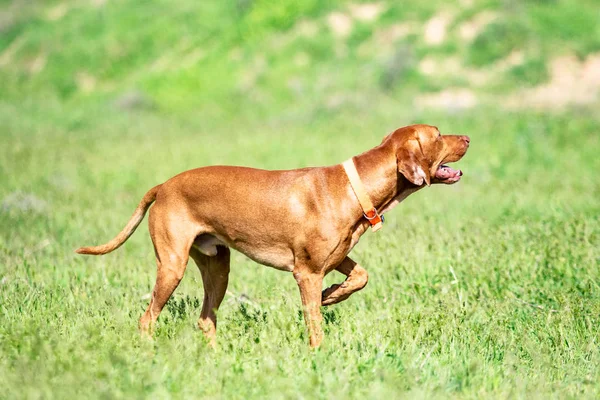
446,174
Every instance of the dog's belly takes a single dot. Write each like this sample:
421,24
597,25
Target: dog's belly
272,256
281,259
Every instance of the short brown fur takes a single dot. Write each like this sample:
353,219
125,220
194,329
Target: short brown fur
305,221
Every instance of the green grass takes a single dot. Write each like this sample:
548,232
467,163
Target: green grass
488,288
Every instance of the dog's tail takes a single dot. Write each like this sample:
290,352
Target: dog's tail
133,223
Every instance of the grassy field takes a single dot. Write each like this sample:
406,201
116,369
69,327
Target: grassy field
488,288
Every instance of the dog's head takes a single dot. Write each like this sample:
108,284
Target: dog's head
422,154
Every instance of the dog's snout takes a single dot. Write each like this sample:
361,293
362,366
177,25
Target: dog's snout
466,139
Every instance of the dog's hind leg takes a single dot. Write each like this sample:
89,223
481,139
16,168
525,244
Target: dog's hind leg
172,254
215,277
356,279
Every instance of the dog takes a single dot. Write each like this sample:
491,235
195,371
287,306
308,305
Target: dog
304,221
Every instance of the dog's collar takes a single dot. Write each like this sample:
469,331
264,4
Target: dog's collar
369,210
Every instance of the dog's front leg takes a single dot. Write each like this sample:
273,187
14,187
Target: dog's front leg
310,284
356,279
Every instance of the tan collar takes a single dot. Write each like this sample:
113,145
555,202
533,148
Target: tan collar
369,210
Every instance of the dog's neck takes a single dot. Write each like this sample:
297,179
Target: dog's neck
381,180
378,170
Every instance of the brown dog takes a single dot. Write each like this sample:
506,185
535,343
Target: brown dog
304,221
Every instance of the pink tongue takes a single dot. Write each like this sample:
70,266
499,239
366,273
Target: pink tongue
446,172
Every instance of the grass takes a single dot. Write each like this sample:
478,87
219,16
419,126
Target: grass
488,288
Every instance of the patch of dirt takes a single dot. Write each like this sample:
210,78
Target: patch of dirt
452,67
472,28
183,55
36,64
56,12
306,28
366,12
431,66
389,35
516,57
7,55
436,28
383,41
340,24
572,82
449,99
250,76
302,29
86,83
168,60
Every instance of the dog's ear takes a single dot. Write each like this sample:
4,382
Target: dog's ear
412,164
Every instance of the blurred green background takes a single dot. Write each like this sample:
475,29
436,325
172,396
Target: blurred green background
488,288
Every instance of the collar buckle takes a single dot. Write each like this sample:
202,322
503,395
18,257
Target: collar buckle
375,219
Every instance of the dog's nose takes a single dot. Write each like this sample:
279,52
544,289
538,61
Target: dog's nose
466,139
